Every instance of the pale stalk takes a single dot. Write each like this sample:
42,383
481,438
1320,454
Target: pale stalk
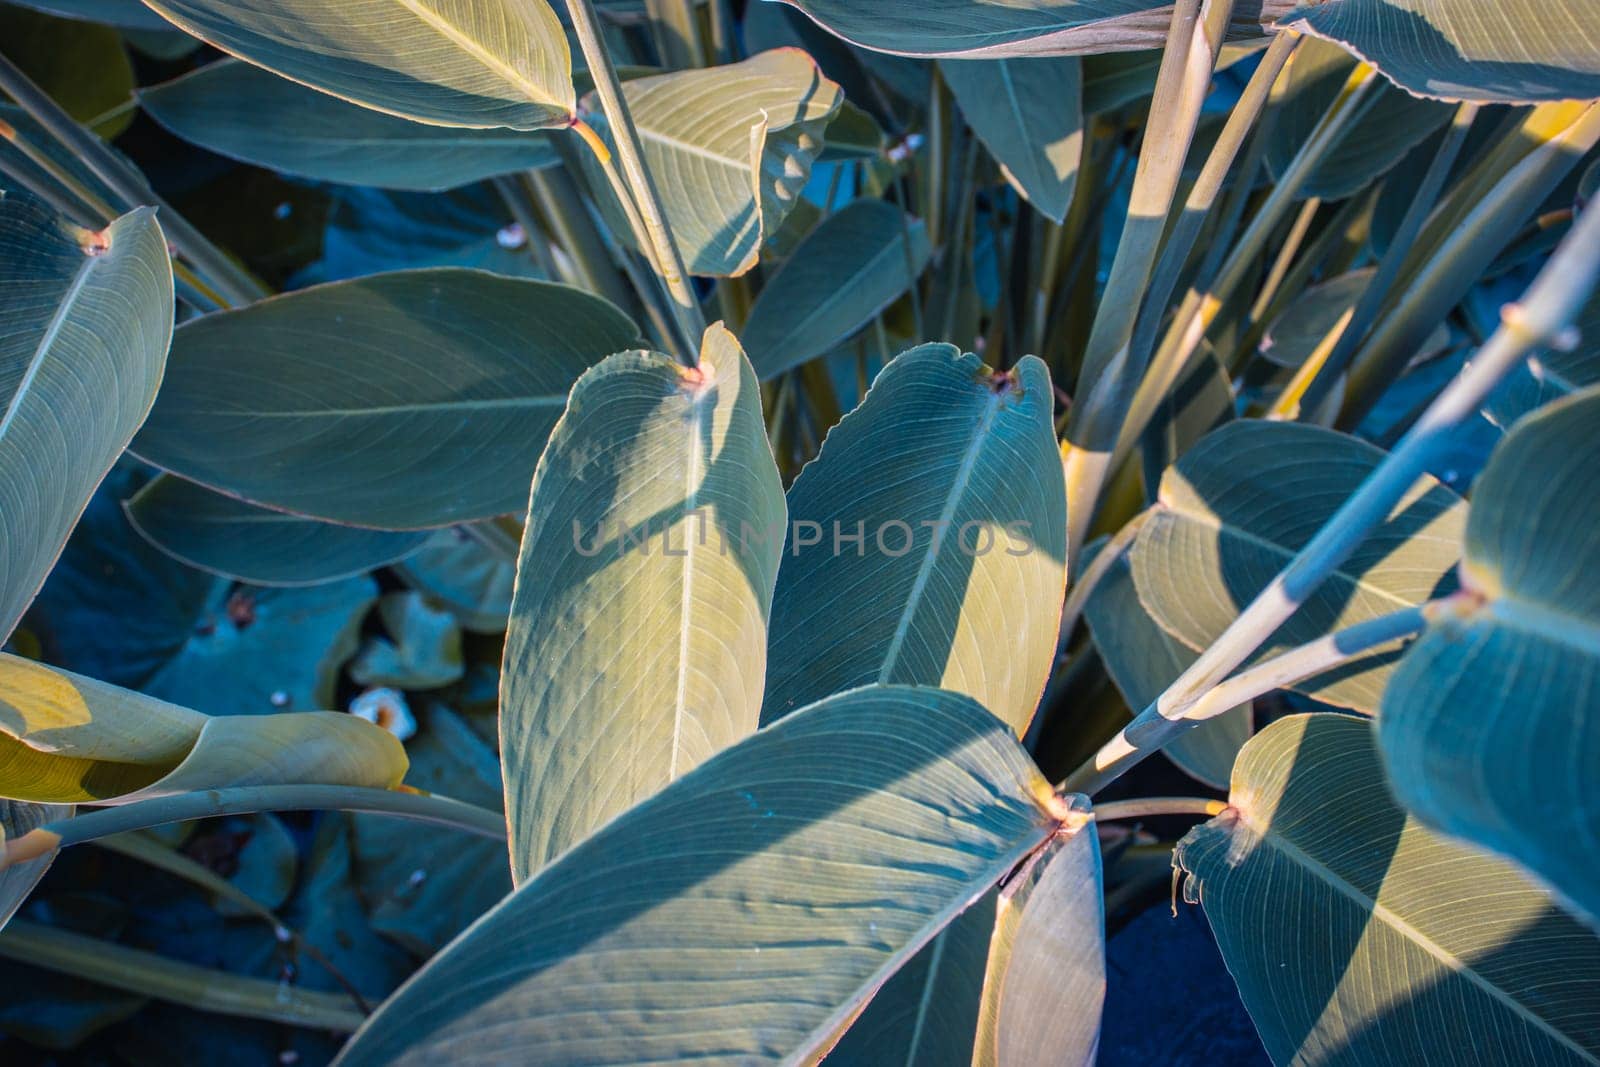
665,255
1105,380
1324,376
147,974
1543,319
225,276
245,800
676,31
1207,189
1148,807
1200,308
1285,258
1461,257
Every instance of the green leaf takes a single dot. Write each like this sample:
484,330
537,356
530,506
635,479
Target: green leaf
1029,114
1307,325
397,401
857,262
423,650
82,67
926,1014
249,651
1018,974
85,319
236,540
1237,508
68,739
18,880
471,581
1356,936
751,908
1046,977
653,537
940,439
1513,51
1143,659
476,63
121,611
730,149
127,14
248,114
1395,123
962,29
1491,726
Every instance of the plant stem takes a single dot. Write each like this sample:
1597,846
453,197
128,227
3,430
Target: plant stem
243,800
151,975
1377,291
1145,807
1208,187
676,31
1543,319
1199,309
226,276
658,235
1460,258
143,849
1108,376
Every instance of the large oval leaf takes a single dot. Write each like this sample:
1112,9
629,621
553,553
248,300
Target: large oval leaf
1019,976
1237,508
933,519
450,62
236,540
119,610
1511,51
1491,726
1029,114
249,114
85,319
729,148
638,626
857,262
1357,936
67,739
400,401
747,911
961,28
1046,978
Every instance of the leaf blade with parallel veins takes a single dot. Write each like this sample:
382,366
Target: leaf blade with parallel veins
476,63
249,114
637,579
748,910
446,382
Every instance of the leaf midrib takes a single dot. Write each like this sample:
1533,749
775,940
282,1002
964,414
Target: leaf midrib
693,476
1444,956
453,33
42,351
969,461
